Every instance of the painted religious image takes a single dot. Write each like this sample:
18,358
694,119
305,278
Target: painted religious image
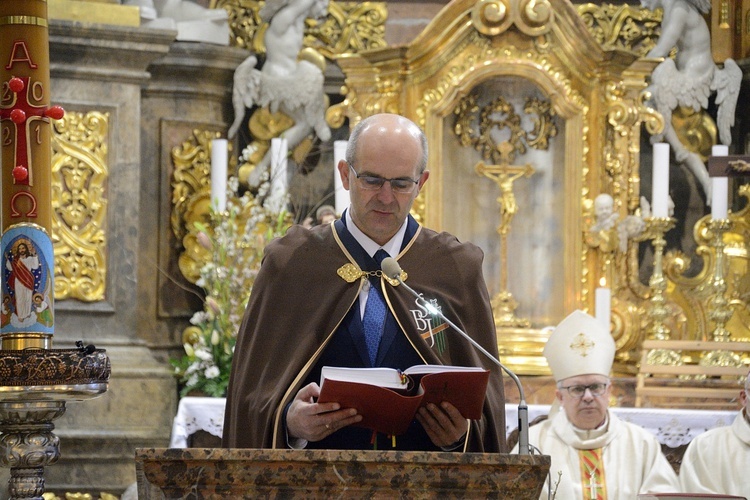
27,285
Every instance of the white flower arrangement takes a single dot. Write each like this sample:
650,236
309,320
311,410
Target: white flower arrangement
235,242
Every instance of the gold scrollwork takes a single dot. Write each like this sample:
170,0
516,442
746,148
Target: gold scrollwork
652,119
695,129
536,16
622,26
79,186
349,27
491,17
499,114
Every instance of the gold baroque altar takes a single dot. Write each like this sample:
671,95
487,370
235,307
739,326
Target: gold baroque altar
547,100
568,81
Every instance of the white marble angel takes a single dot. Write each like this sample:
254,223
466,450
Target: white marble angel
691,77
284,83
609,232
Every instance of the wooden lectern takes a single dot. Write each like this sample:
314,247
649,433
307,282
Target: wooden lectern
253,473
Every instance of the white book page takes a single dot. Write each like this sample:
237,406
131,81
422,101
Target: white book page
383,377
423,369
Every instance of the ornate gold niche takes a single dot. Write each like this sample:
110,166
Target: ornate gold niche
586,61
79,184
479,127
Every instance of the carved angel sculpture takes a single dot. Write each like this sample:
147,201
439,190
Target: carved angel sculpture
691,78
609,232
284,83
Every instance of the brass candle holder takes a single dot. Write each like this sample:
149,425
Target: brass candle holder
657,227
35,386
720,311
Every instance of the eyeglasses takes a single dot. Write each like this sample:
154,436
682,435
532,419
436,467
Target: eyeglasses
577,391
403,185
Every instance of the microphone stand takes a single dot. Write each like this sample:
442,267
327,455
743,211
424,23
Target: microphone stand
523,409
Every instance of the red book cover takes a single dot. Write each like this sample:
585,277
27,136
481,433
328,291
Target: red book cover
388,399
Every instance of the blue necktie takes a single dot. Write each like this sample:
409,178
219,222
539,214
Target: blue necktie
373,319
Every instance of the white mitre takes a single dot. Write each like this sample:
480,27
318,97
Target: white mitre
579,345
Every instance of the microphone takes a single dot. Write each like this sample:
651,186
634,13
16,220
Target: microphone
392,270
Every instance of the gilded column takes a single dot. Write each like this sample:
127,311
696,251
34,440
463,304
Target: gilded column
27,261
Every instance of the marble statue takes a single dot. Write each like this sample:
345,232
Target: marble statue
285,82
691,77
193,22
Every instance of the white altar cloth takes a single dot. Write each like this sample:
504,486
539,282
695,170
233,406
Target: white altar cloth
197,414
673,427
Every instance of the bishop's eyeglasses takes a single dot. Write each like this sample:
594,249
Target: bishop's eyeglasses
403,185
577,391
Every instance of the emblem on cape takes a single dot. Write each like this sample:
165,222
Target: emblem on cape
351,273
429,323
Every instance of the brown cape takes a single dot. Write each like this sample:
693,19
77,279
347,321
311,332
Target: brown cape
299,300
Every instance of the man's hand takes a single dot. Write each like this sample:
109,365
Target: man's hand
309,420
444,424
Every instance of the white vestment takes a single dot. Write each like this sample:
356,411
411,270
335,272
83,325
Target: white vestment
632,456
718,461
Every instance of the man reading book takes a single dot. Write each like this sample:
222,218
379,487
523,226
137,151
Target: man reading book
320,300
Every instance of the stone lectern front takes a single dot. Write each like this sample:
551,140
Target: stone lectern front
254,473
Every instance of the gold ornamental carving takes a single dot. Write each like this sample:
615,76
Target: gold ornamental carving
617,262
191,199
79,185
475,127
349,27
484,52
622,26
492,17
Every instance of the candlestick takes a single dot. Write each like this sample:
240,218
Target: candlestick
660,181
603,306
279,183
720,311
219,174
658,312
341,195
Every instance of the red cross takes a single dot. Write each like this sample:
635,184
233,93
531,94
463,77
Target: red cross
19,113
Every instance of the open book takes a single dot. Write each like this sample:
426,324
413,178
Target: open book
388,399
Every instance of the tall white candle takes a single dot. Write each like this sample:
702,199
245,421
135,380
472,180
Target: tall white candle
341,195
660,181
719,187
219,174
603,306
279,180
